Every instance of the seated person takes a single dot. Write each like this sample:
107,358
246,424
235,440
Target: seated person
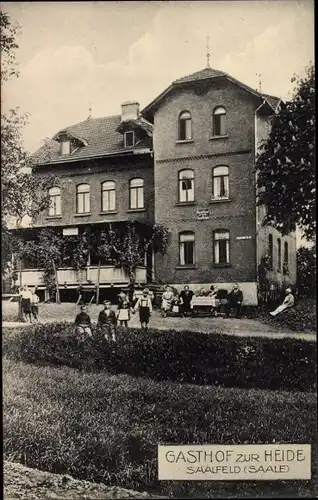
214,296
186,297
167,298
235,300
83,323
288,302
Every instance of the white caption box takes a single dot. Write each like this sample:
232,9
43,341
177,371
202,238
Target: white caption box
238,462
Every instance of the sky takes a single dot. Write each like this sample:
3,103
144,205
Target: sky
72,54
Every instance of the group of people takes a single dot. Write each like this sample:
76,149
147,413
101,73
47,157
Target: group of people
109,319
183,303
29,304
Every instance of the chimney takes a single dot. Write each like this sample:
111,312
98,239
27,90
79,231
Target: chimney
129,111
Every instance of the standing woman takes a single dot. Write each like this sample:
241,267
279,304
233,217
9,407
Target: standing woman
144,306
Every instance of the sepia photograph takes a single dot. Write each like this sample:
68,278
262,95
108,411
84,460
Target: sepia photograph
158,249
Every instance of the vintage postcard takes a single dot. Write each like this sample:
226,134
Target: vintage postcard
158,249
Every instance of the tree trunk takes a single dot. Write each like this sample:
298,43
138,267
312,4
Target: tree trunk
20,288
98,280
58,301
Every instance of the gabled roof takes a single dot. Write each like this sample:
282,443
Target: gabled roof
200,75
208,74
274,101
100,136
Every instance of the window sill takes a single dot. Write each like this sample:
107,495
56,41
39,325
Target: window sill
186,267
136,210
82,215
54,217
108,212
185,141
222,265
215,137
182,203
220,200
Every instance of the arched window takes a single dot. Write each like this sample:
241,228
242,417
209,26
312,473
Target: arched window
185,126
221,246
286,253
219,121
270,251
136,193
55,201
82,198
186,248
220,185
186,185
108,196
279,254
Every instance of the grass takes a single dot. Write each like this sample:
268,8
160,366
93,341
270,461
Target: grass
301,318
106,428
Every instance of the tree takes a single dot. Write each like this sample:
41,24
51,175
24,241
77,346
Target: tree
22,193
47,253
306,271
286,163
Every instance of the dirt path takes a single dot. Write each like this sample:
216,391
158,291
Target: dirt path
23,483
243,327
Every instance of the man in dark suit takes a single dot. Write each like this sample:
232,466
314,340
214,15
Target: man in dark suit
186,297
235,300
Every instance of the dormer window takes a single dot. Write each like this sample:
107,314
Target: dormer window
129,139
65,147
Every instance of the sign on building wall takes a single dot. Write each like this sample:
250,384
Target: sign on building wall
244,237
203,214
70,231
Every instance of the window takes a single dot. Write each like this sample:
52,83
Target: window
186,248
136,193
129,139
108,196
270,251
221,246
186,186
219,121
279,254
82,198
65,146
55,201
220,186
185,126
286,253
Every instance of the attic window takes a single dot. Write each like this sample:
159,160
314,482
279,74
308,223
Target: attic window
129,139
65,147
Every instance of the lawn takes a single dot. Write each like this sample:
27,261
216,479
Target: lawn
106,428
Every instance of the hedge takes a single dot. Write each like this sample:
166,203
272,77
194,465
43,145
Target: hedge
198,358
301,318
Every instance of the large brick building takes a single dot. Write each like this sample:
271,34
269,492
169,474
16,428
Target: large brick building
187,161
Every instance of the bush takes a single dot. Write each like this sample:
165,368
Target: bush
230,361
301,318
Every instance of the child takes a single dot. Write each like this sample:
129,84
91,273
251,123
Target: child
83,323
26,295
123,313
144,306
107,321
34,306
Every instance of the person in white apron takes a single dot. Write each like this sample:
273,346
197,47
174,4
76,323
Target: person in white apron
167,299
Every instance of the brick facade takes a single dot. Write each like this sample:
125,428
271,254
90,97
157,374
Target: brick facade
94,173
